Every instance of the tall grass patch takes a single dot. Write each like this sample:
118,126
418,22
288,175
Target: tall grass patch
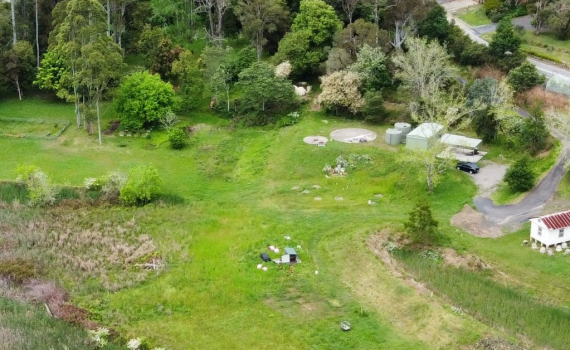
494,303
10,192
26,327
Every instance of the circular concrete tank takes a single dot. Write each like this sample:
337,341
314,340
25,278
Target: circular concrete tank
393,137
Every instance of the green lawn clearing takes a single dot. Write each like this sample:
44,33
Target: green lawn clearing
242,191
474,16
18,127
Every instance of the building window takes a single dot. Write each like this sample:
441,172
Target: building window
540,231
561,233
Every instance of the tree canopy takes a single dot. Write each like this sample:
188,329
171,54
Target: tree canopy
142,99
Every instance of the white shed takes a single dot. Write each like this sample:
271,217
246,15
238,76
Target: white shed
423,136
551,230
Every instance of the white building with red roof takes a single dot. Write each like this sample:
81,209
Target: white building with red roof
551,230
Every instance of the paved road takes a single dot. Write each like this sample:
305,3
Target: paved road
545,68
530,206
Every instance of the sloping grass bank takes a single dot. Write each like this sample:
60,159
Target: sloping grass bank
497,304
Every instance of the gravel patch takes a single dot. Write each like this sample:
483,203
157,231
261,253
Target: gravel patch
474,222
489,177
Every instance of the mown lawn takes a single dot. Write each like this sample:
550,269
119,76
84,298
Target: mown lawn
474,16
237,186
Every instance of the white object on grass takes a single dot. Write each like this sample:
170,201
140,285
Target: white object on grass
316,272
259,266
264,268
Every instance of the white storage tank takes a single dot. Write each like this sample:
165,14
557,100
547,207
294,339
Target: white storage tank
393,137
405,128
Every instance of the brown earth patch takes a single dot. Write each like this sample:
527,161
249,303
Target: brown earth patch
114,126
54,299
474,222
467,261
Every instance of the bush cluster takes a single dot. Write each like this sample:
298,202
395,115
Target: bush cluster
520,177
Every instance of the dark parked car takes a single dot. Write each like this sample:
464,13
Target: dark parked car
468,167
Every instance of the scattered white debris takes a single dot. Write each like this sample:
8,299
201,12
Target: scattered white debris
305,192
298,247
325,121
259,266
378,195
316,187
328,177
370,202
295,188
276,250
271,247
338,198
316,272
318,198
287,237
264,268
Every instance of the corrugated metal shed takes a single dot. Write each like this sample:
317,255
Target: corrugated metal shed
460,141
556,221
426,130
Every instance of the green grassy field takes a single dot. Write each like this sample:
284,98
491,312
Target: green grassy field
474,16
238,199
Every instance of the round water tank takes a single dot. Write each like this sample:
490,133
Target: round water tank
405,128
393,137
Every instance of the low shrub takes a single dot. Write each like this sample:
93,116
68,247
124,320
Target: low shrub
17,270
177,138
67,193
113,184
421,228
143,185
40,188
10,192
525,77
290,119
520,176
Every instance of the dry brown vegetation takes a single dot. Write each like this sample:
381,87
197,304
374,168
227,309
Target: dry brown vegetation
110,252
538,96
488,72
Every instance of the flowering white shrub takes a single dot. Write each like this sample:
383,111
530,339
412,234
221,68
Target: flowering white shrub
283,69
134,343
99,336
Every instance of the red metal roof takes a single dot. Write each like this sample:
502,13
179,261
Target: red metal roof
556,221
